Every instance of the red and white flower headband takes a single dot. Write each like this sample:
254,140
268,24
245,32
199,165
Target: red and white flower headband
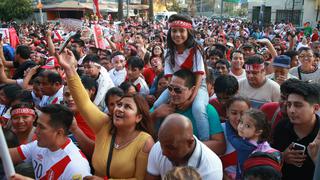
180,24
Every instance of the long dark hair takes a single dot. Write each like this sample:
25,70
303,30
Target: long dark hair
143,109
189,43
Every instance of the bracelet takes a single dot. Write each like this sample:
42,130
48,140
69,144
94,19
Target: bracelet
105,178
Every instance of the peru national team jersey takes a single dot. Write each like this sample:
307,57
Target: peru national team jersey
187,60
66,163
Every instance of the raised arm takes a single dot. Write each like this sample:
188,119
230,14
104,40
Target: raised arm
89,111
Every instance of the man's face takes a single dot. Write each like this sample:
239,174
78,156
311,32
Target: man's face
91,70
119,64
299,110
211,41
77,47
156,64
248,52
222,69
45,132
237,61
133,73
175,148
138,39
47,88
106,64
255,77
198,36
212,60
179,92
280,71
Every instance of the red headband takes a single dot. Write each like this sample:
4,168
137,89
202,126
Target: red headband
23,111
180,24
254,67
261,161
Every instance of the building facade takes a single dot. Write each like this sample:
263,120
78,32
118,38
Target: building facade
296,11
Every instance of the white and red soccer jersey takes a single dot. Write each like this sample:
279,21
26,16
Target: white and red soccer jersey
187,60
66,163
142,87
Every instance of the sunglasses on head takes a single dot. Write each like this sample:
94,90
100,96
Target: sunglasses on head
177,90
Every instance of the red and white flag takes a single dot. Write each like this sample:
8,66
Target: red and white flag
96,9
98,37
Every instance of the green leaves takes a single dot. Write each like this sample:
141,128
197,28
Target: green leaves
15,9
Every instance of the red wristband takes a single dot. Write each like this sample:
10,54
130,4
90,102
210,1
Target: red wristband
105,178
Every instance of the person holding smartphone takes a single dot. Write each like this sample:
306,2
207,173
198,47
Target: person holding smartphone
293,135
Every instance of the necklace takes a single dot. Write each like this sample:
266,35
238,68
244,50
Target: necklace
124,144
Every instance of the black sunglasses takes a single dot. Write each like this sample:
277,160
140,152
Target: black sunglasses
177,90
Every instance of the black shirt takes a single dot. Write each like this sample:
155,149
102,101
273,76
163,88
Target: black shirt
283,136
20,68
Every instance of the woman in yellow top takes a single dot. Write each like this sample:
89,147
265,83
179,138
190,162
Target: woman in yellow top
128,129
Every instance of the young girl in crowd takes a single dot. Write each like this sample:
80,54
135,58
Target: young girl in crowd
253,133
184,53
235,107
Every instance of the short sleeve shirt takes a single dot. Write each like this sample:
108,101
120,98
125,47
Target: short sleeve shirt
189,59
204,160
66,163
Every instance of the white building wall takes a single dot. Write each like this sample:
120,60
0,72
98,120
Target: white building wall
308,9
310,12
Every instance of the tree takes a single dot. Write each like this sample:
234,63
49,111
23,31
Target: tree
15,9
150,11
175,6
120,9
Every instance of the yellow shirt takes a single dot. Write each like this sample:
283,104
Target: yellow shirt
130,162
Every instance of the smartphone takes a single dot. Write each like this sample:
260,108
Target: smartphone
299,147
0,37
65,43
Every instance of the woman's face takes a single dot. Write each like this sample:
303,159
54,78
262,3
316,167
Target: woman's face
125,114
68,99
179,35
22,123
306,58
235,111
112,102
157,50
162,84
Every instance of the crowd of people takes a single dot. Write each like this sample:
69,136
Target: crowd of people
186,98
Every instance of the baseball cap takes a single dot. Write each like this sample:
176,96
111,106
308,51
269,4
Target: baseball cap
282,61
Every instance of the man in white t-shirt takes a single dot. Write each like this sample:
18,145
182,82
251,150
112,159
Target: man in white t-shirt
237,62
178,147
256,86
53,155
51,86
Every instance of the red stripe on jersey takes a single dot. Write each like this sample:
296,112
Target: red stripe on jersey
66,143
57,169
55,100
23,157
199,72
188,63
82,154
138,86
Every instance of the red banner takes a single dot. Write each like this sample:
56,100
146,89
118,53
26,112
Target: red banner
96,9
